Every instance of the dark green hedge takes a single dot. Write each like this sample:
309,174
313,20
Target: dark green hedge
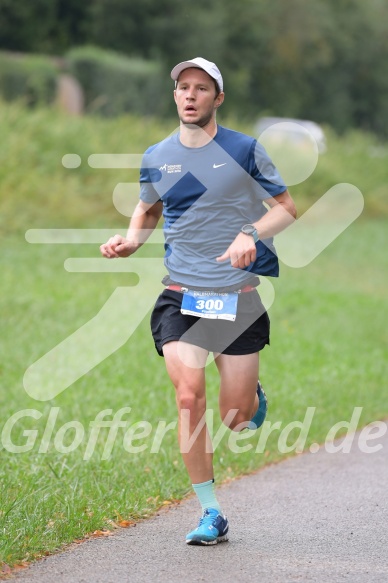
32,79
115,84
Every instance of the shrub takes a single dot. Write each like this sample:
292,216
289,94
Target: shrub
115,84
33,79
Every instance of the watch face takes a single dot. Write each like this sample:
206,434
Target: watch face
248,229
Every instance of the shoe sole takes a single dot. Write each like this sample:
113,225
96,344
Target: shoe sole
206,543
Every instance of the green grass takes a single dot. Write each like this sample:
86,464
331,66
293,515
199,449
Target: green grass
38,192
328,348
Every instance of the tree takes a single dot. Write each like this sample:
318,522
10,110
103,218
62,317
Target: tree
321,59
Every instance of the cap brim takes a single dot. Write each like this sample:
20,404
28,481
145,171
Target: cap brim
177,70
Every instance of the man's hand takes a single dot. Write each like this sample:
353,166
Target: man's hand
118,246
241,252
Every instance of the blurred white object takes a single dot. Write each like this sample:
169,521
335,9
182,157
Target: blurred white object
293,131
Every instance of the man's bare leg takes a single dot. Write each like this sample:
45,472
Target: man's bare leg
189,383
238,388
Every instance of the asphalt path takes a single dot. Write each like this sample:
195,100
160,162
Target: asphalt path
315,517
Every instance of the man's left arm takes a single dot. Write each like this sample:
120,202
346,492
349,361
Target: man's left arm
281,214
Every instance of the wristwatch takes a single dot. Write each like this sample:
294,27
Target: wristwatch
250,230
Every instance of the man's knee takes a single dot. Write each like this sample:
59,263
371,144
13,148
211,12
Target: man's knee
191,398
235,419
188,400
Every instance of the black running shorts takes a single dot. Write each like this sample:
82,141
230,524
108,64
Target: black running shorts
249,333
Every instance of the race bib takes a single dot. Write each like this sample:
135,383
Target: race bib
210,305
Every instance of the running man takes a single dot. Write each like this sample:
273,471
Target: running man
210,184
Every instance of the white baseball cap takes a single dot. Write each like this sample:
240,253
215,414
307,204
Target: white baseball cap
200,63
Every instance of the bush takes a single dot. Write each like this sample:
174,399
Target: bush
32,79
115,84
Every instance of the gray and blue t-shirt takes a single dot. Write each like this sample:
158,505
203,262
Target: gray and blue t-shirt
208,194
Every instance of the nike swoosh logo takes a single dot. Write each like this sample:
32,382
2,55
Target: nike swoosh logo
219,165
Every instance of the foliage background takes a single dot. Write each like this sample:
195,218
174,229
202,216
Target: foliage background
318,59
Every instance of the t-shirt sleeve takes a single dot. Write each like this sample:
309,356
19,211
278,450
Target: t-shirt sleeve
148,177
264,172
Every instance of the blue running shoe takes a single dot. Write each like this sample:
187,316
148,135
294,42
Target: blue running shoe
259,417
212,529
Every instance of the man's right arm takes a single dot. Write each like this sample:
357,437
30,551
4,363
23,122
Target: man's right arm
143,222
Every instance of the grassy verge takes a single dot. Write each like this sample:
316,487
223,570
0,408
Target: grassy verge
328,351
38,192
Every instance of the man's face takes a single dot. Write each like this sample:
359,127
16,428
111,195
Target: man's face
195,97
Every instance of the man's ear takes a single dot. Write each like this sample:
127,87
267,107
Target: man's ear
219,100
175,95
